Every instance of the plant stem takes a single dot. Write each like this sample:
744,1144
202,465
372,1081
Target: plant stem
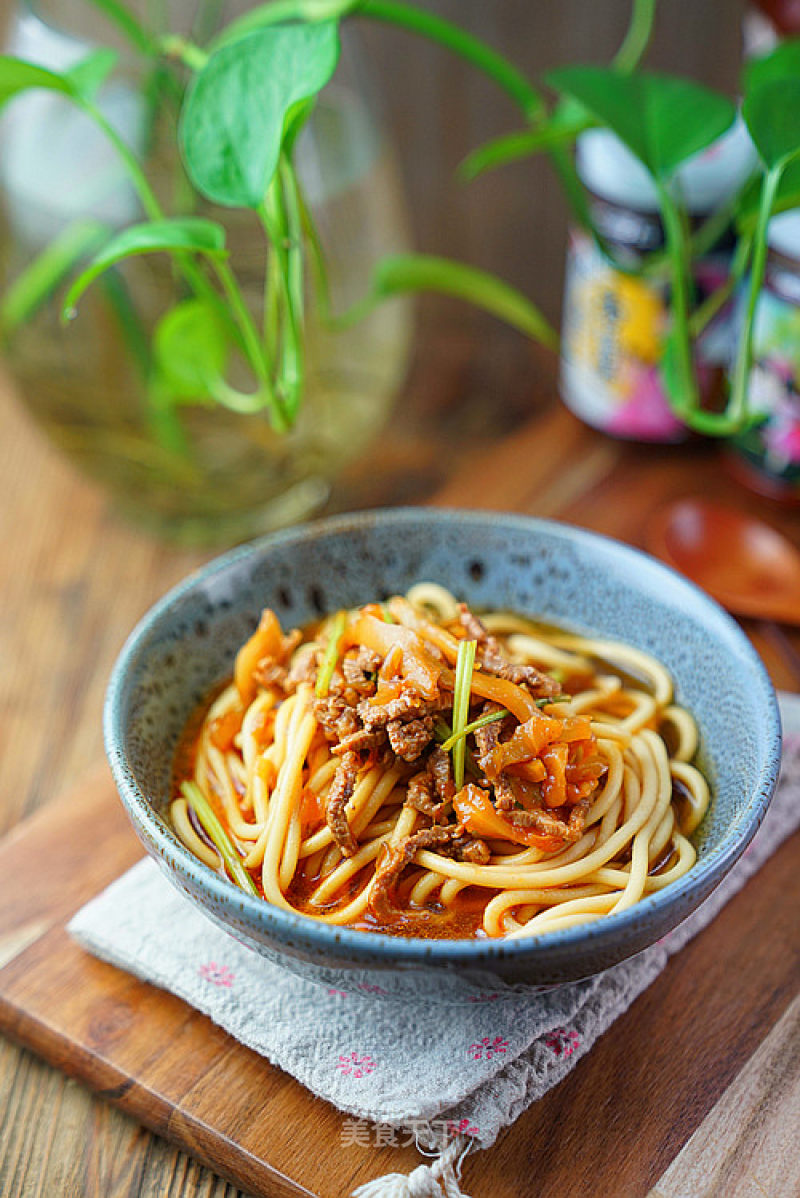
280,219
737,405
121,16
180,48
637,38
470,48
686,403
294,370
253,350
192,273
252,345
317,257
703,315
137,175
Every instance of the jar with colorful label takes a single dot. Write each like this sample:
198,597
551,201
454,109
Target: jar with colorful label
767,455
615,317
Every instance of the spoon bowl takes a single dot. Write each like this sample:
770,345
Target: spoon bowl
743,563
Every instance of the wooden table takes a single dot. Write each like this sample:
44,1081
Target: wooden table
73,581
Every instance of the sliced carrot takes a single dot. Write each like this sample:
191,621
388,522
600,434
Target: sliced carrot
576,727
266,641
418,669
224,728
312,814
525,744
554,787
531,771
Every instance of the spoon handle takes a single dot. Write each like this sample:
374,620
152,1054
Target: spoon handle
780,641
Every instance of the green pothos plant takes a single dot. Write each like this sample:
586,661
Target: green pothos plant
243,100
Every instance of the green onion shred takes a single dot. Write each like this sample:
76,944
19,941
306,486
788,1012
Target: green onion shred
481,722
461,694
331,655
218,836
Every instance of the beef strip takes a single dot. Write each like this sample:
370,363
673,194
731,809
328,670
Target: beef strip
550,825
338,719
394,861
303,669
409,705
421,796
440,769
359,669
272,671
538,684
475,628
410,738
361,741
342,787
492,658
467,848
486,739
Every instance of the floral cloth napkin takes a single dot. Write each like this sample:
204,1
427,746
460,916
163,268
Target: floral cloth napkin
450,1086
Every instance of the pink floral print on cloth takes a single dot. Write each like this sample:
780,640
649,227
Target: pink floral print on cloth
354,1065
487,1047
562,1041
218,975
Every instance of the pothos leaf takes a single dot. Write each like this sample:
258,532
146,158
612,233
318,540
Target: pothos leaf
191,349
17,76
663,120
400,274
169,236
772,115
273,13
235,115
88,76
782,63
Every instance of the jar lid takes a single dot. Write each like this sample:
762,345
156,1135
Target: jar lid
704,181
783,233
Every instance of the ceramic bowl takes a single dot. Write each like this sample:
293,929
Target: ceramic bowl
186,645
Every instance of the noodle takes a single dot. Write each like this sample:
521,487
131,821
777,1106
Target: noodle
366,774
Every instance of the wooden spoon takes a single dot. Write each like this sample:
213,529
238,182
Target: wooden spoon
748,567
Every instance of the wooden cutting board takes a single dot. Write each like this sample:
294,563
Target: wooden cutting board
700,1078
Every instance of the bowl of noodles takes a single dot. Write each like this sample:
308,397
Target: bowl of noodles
443,755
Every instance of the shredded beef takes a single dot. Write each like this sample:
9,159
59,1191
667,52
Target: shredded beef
492,658
487,738
467,848
395,860
410,739
342,787
337,718
359,669
362,741
302,669
550,825
271,670
538,684
409,705
504,797
439,768
475,628
420,796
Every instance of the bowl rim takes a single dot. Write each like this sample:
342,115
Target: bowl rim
360,947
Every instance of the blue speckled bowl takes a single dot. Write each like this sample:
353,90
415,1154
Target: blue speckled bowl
187,643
